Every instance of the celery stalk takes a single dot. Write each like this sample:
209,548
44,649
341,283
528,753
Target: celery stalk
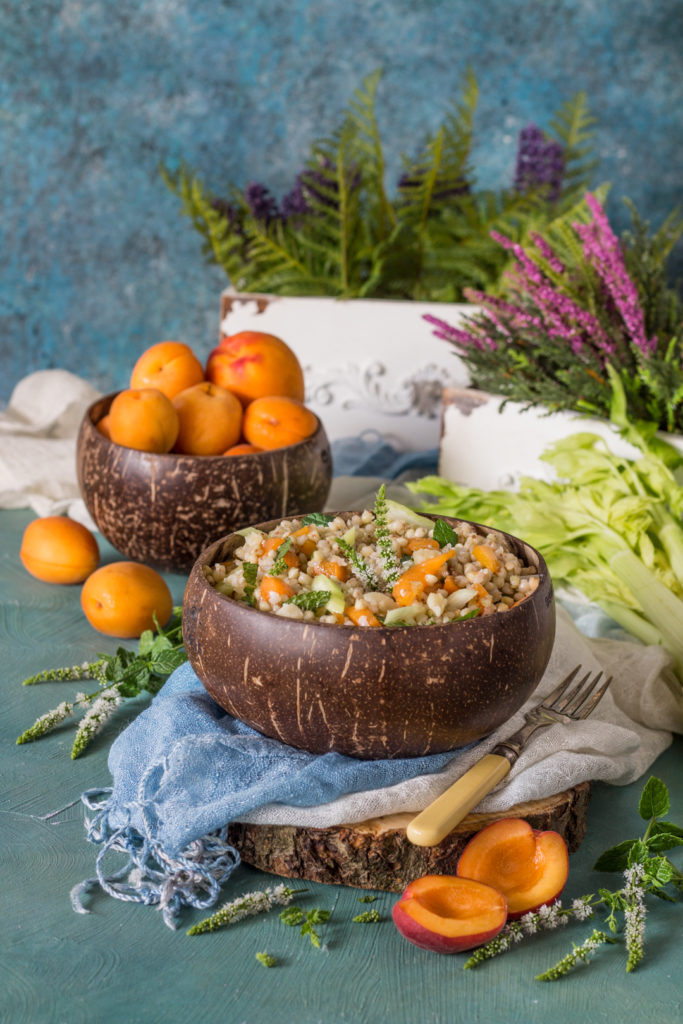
659,604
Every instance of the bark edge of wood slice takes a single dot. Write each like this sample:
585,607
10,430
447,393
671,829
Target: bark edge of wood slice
376,854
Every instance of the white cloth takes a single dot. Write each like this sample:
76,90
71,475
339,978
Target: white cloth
38,432
632,725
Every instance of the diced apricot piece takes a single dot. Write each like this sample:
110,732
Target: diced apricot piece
308,545
362,617
420,543
528,866
272,587
449,914
486,557
413,581
335,570
273,543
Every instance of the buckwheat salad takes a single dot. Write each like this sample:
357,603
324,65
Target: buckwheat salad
383,567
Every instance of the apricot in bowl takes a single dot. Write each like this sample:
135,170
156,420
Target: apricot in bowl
164,508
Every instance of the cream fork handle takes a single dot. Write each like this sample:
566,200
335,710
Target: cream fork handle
443,814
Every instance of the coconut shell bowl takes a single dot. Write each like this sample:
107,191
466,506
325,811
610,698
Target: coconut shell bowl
164,509
380,692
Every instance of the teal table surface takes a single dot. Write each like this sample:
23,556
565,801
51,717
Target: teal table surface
120,962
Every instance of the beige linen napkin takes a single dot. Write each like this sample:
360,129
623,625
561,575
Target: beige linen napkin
38,430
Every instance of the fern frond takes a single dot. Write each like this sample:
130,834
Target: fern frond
367,152
573,125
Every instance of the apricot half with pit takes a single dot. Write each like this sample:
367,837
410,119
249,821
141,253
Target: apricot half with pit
529,867
449,914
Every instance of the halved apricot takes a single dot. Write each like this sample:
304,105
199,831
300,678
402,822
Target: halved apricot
528,866
449,914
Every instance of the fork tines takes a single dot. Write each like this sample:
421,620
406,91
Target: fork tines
581,700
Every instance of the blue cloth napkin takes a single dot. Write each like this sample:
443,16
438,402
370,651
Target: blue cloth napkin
182,771
369,454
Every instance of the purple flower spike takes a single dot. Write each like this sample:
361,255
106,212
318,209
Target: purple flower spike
602,250
294,203
540,163
261,203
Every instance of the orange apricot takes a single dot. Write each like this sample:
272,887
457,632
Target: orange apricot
57,549
124,598
209,419
144,419
252,365
104,427
243,449
170,366
275,422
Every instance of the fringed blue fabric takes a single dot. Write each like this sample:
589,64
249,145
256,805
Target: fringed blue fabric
182,771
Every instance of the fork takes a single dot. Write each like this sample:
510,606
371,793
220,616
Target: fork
443,814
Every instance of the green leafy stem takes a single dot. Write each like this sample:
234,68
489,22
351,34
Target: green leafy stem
120,676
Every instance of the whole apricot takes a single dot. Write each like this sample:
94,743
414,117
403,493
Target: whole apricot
242,449
170,366
103,426
57,549
209,419
274,422
252,364
122,599
145,419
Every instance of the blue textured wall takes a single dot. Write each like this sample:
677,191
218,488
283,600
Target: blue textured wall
96,262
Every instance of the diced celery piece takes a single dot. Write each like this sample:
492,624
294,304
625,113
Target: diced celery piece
335,602
407,614
407,515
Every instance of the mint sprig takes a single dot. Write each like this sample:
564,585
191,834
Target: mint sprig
250,571
120,676
317,519
309,600
294,916
279,565
392,569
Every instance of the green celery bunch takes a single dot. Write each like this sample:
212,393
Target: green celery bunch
609,526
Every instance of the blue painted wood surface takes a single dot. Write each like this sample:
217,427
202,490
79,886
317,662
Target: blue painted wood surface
121,963
97,262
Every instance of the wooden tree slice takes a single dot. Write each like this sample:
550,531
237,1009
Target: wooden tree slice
376,854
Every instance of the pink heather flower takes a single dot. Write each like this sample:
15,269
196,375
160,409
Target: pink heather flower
547,252
602,250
